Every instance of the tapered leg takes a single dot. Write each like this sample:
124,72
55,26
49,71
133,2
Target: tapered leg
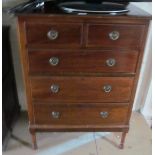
34,142
121,145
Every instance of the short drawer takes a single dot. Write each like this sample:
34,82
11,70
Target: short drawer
60,62
47,114
46,35
81,89
116,36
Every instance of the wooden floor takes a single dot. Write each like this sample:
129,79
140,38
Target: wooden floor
138,141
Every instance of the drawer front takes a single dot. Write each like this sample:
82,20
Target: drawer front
121,36
46,35
46,114
81,89
59,62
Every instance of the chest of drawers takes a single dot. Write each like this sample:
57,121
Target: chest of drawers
81,72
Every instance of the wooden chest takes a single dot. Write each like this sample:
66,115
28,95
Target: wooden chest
81,72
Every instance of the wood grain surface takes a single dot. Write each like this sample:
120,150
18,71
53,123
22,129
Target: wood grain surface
73,61
82,89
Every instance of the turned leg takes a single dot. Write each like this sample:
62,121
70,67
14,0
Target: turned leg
121,146
34,142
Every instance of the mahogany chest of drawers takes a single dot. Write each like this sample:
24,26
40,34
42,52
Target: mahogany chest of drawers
81,72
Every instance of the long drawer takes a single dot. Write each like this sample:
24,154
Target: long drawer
81,89
59,62
73,115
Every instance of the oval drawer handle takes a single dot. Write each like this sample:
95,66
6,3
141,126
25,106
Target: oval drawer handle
104,114
114,35
52,34
54,61
56,114
55,88
111,62
107,88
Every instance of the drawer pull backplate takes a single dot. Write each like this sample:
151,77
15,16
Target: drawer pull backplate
55,88
52,34
104,114
107,88
114,35
111,62
54,61
56,114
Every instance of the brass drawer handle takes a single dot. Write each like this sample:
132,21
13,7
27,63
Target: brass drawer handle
52,34
114,35
54,61
104,114
111,62
107,88
56,114
55,88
